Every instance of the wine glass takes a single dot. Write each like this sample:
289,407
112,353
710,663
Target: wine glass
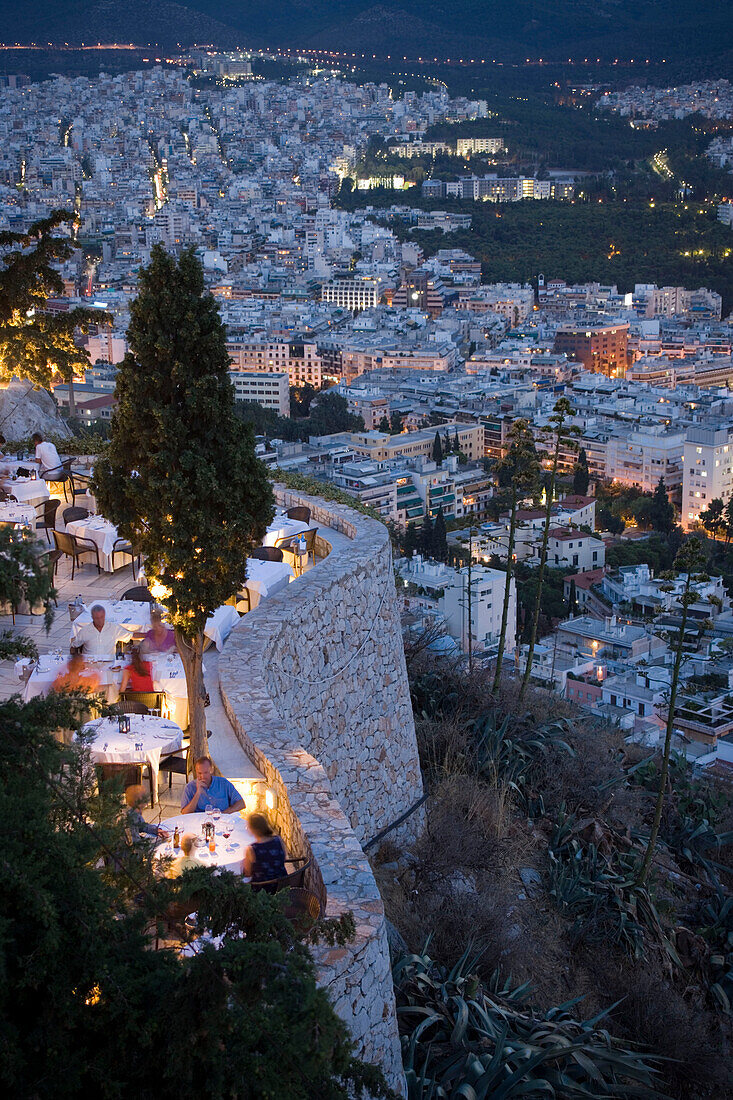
209,809
216,814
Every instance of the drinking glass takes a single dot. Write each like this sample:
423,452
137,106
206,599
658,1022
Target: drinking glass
216,814
209,809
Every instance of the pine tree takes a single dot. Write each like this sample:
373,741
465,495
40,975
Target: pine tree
395,423
437,450
411,543
518,476
180,477
33,343
440,537
713,518
456,442
581,475
383,425
560,435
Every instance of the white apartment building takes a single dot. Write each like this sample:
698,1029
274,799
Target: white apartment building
465,147
708,470
641,457
568,549
271,390
353,294
481,614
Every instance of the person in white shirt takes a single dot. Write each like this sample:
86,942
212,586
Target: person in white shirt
47,456
99,637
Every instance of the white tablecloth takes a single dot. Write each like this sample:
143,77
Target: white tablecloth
266,577
282,528
167,671
132,616
27,491
10,512
220,625
103,533
229,853
156,735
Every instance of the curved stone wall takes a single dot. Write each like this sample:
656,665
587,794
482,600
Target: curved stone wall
315,685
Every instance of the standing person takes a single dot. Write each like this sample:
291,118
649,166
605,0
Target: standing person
138,675
208,789
264,859
47,457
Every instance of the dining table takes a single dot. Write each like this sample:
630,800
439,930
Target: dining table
104,534
133,616
12,512
282,527
149,738
229,851
167,673
28,490
264,578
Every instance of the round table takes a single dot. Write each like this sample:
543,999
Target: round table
153,735
10,512
28,490
229,853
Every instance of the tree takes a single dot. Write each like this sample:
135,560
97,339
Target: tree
411,540
329,413
713,518
34,343
88,1006
581,475
572,599
383,424
440,537
425,537
728,517
180,477
395,423
689,561
437,450
25,578
661,513
560,436
300,399
456,442
518,475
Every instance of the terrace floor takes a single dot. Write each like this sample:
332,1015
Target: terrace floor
226,751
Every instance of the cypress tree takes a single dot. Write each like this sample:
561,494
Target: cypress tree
180,477
425,538
440,537
383,425
410,544
581,475
437,450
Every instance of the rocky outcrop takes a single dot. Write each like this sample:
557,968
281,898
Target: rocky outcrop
25,410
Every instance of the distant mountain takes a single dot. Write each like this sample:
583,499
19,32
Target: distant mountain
552,29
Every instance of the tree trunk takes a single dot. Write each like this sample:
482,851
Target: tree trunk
644,872
540,573
191,650
507,590
72,397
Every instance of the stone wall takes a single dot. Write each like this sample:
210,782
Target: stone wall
314,682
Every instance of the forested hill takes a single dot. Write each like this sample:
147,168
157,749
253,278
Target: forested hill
474,28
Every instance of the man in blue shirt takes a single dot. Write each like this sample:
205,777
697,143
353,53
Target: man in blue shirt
208,789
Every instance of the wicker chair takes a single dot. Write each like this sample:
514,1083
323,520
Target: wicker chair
140,594
293,880
61,475
130,706
177,763
75,548
267,553
71,514
299,511
122,546
46,516
303,910
151,700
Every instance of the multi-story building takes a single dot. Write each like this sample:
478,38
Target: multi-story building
466,147
380,447
575,550
600,348
269,389
300,359
708,470
512,301
640,458
422,290
475,609
353,294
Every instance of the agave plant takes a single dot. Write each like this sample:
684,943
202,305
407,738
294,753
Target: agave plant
464,1038
719,934
514,756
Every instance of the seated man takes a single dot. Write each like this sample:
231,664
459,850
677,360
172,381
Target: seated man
99,637
208,789
47,457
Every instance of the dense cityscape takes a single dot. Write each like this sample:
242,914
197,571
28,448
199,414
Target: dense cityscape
446,557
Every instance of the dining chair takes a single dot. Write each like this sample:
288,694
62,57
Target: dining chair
46,516
71,514
140,594
75,548
267,553
299,511
123,546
